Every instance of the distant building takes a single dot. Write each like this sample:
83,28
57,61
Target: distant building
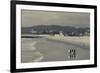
34,31
61,33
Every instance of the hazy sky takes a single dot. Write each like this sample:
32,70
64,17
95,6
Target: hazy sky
33,17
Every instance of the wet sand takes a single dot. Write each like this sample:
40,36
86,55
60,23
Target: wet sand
45,50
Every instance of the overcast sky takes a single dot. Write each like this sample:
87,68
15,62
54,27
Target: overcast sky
33,17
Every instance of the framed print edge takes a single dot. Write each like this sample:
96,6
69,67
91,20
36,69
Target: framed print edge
13,37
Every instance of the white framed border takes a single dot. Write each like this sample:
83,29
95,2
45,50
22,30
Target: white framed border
20,65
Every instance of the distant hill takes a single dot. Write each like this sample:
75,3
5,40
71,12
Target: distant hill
53,29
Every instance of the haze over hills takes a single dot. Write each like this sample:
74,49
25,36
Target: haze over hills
37,17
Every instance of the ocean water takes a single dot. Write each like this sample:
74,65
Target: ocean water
45,50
